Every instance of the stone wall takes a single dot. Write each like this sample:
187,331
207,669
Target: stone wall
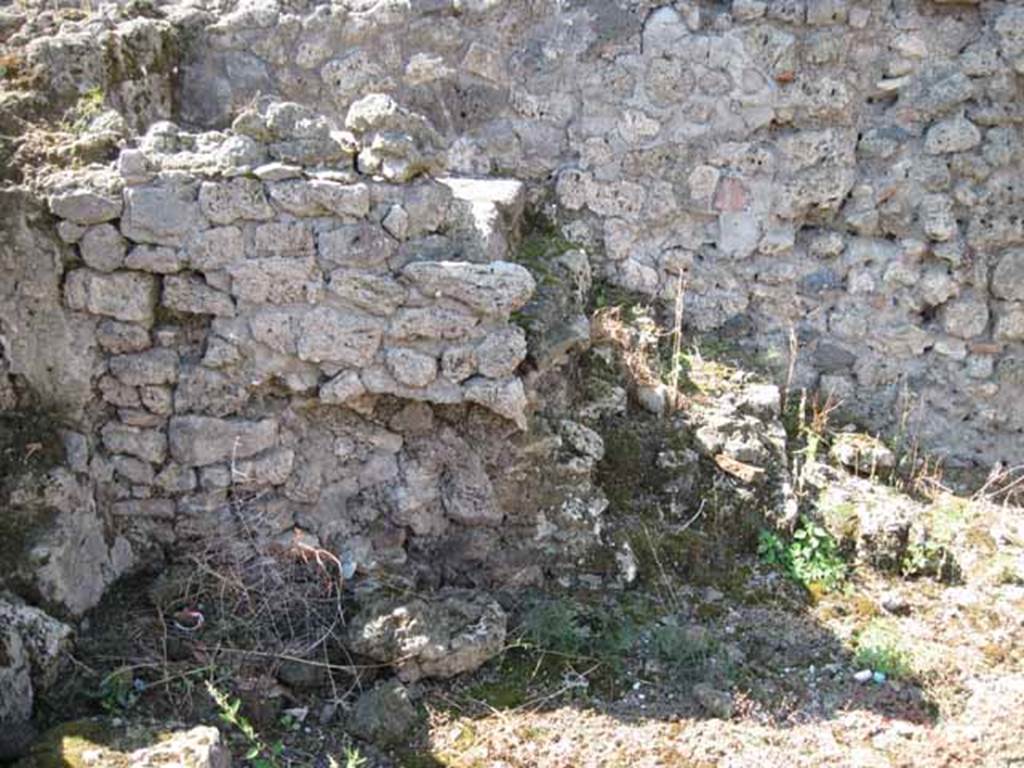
846,168
297,309
279,336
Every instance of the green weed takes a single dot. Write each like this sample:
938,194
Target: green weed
879,649
258,752
810,557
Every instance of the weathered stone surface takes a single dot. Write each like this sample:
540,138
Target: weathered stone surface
342,388
116,743
437,636
156,258
356,245
506,398
157,366
128,296
192,295
52,349
160,215
31,645
196,441
384,714
319,197
275,280
327,335
501,352
102,248
229,201
1008,276
147,444
216,248
411,368
955,135
498,288
85,206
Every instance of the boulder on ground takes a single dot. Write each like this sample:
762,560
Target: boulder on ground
438,636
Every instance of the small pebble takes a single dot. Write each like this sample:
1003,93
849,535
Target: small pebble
879,677
863,676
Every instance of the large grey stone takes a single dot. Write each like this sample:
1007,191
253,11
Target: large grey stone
228,201
160,215
383,715
192,295
438,636
85,206
276,280
1008,276
498,288
157,366
128,296
147,444
102,248
197,441
31,646
327,335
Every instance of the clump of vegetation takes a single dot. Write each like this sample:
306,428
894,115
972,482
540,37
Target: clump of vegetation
88,107
880,649
567,628
258,752
686,653
810,557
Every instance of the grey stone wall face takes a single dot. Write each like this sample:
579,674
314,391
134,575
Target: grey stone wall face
306,299
846,168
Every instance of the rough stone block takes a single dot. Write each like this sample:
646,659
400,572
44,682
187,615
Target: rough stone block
156,258
1008,276
147,444
276,281
197,441
192,295
326,335
157,366
216,248
128,296
84,206
102,248
498,288
229,201
160,215
356,245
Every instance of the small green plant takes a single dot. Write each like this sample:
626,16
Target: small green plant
354,758
810,557
879,649
258,752
120,691
683,652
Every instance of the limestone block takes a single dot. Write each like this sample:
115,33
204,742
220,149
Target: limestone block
275,280
156,366
229,201
147,444
102,248
85,206
156,258
192,295
506,398
955,135
326,335
498,288
1008,276
216,248
355,245
128,296
411,368
196,441
160,215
